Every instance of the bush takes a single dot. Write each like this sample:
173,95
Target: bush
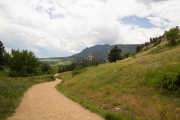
126,55
78,69
166,77
171,81
113,116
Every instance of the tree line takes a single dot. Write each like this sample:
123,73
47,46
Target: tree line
81,62
172,36
21,63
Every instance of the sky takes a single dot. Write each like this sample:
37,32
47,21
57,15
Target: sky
58,28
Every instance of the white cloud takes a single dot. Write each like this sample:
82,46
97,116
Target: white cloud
64,27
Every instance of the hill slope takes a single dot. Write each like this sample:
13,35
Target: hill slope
131,86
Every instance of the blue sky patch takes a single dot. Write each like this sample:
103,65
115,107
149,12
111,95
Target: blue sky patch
140,21
50,12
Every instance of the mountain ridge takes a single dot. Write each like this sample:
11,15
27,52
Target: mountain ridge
98,51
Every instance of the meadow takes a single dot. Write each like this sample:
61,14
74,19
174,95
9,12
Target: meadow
130,88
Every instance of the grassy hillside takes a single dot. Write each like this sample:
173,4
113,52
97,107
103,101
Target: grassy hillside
130,87
12,90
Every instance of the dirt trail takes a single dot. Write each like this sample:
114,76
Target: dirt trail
44,102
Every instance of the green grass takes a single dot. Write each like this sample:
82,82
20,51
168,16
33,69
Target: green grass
50,59
12,91
64,62
55,61
128,87
106,114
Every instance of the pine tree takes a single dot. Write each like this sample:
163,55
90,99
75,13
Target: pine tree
172,35
115,54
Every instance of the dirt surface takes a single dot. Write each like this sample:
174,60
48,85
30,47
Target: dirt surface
44,102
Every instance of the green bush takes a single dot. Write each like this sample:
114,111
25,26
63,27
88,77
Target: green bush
113,116
166,77
78,69
171,81
126,55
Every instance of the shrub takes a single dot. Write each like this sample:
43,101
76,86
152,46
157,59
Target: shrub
113,116
78,69
166,77
171,81
126,55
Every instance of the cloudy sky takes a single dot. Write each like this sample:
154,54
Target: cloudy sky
63,27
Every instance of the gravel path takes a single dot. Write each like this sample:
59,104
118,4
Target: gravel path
44,102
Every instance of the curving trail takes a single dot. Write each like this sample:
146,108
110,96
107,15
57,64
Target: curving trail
44,102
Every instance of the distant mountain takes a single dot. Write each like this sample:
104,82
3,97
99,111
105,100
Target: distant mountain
98,51
101,51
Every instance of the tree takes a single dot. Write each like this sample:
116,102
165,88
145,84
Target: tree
138,48
115,54
7,58
2,51
23,63
45,68
172,35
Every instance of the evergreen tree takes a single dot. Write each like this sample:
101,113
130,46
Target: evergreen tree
138,48
172,35
115,54
23,63
2,51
